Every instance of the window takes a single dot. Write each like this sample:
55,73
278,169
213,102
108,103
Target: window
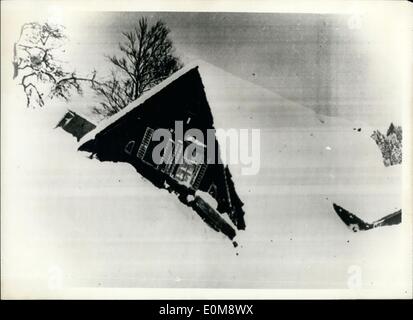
147,137
129,147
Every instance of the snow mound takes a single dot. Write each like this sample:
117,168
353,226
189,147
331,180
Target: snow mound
101,224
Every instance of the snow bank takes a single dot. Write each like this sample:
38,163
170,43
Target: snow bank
101,224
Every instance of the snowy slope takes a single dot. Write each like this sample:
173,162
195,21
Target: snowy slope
101,225
298,147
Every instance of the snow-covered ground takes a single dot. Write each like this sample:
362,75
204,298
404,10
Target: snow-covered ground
99,224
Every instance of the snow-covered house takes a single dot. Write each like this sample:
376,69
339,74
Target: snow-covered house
301,152
127,137
89,210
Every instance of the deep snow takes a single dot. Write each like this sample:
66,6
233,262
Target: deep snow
102,225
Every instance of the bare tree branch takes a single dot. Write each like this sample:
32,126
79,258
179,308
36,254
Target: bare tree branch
35,63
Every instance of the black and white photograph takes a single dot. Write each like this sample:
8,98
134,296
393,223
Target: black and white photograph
206,150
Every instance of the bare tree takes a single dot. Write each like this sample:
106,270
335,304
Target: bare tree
114,94
37,66
147,57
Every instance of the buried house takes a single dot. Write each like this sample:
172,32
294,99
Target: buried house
76,124
128,137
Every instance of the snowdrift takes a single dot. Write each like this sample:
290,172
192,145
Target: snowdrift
101,224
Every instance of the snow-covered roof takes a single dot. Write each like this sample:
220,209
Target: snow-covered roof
234,103
107,122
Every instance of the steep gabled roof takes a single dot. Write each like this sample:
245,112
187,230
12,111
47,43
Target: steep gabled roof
234,103
134,104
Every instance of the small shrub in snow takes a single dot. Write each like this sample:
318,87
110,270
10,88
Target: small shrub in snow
390,145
